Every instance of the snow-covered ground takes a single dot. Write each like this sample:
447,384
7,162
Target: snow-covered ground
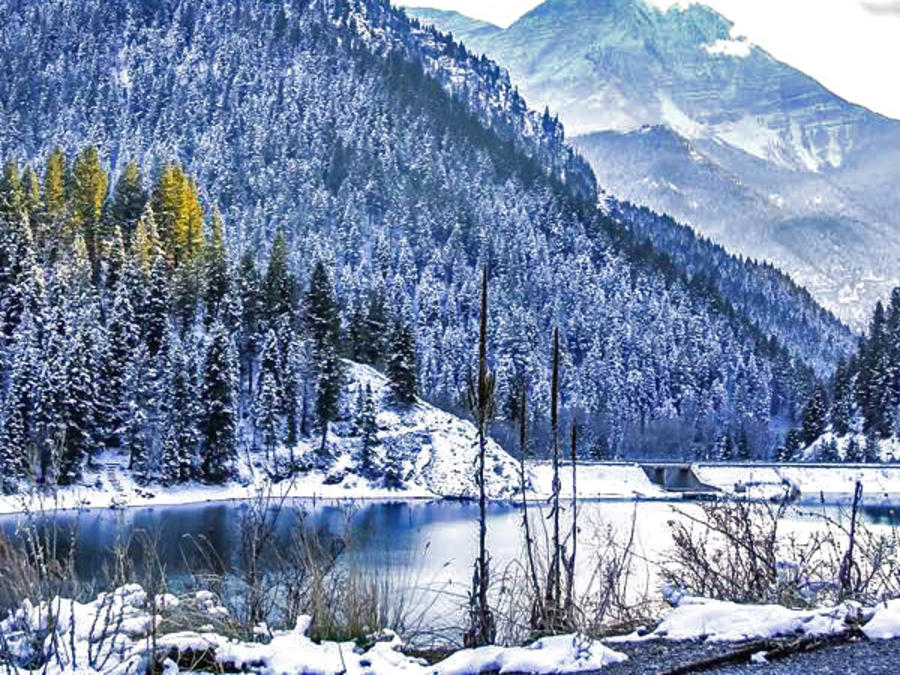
719,621
595,481
114,634
434,453
881,484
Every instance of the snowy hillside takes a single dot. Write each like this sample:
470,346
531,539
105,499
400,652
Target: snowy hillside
432,454
761,156
395,163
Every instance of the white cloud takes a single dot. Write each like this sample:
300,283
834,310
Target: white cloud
882,6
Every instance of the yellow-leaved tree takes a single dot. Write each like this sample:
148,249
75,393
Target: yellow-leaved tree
90,183
179,214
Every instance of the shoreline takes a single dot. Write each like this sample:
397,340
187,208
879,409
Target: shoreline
83,499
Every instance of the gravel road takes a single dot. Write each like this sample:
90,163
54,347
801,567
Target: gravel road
856,658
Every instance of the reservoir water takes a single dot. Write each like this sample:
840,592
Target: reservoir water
428,547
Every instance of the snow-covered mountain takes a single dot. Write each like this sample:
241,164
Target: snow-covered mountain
402,164
676,111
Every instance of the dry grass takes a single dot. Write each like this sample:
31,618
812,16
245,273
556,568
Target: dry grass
611,593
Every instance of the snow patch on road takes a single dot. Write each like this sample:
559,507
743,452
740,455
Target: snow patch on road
595,481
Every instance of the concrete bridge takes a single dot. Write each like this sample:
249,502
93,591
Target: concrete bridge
675,477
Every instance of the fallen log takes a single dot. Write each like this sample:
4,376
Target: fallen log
773,650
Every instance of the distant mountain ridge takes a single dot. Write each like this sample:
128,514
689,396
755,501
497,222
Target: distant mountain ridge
771,164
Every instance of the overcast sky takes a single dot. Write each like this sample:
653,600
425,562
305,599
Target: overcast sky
851,46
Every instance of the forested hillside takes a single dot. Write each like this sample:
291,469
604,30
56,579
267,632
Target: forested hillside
856,416
348,149
770,299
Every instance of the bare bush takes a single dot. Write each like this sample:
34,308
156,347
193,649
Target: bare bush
739,551
609,594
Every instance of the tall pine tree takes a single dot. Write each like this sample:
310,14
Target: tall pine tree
219,418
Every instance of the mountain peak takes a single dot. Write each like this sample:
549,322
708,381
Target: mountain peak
695,21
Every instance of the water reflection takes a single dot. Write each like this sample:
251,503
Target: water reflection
428,544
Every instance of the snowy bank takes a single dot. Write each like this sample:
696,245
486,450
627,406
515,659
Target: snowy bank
431,452
719,621
881,484
595,481
113,635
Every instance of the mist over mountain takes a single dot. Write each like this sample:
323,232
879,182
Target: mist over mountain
677,112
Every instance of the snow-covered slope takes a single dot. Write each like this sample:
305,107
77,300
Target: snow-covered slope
432,452
437,450
760,156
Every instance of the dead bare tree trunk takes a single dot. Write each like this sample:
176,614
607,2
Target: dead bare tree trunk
845,575
570,565
554,581
482,629
537,611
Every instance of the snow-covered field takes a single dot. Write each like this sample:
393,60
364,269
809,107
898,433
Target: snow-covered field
835,483
595,481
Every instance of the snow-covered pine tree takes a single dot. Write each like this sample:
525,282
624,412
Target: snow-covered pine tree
789,451
17,264
291,369
12,197
21,406
55,198
356,335
324,323
268,404
129,199
872,449
367,426
219,418
184,408
392,471
814,416
402,362
115,258
89,187
216,275
78,414
122,338
376,326
252,312
829,452
139,430
842,400
853,451
13,445
279,286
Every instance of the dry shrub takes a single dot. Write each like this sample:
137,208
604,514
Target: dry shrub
611,594
738,551
313,573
